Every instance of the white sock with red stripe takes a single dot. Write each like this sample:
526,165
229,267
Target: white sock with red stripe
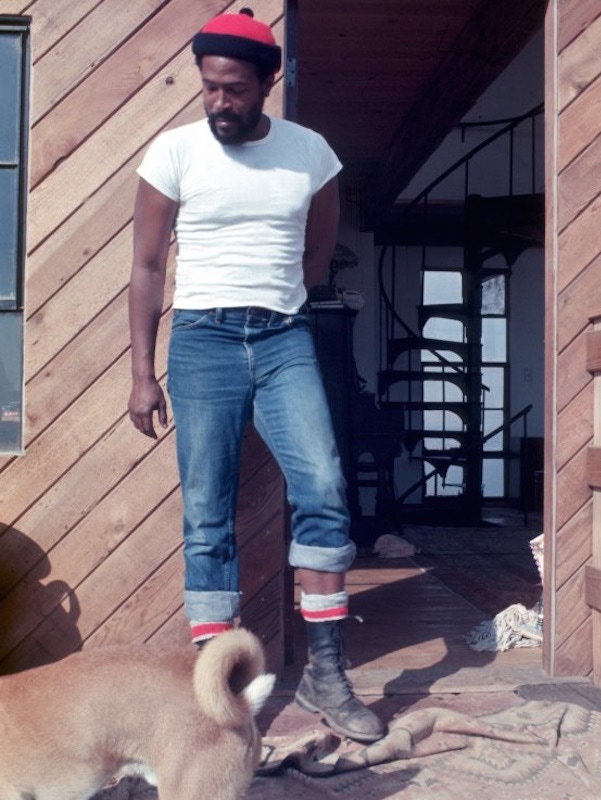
206,630
324,607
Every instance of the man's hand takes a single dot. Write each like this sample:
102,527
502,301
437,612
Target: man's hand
147,397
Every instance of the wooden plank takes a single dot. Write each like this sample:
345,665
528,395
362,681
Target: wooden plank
574,655
550,350
100,539
574,544
577,303
576,184
575,425
572,490
125,66
575,16
593,351
593,467
95,36
572,610
580,63
579,244
263,614
596,526
83,434
86,295
108,587
102,155
144,613
571,367
370,64
81,237
51,19
13,7
592,586
261,532
391,7
81,362
94,538
582,123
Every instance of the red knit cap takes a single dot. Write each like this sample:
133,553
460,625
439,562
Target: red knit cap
238,36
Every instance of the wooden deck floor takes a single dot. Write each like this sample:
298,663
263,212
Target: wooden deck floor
412,637
410,652
411,644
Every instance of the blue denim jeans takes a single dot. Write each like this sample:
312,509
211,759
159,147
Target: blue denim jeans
226,367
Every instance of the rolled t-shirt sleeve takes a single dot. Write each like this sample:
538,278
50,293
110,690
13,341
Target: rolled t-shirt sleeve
327,163
159,167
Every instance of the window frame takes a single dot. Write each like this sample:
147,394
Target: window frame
12,306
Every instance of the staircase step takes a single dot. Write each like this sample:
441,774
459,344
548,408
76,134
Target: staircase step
423,405
461,409
412,438
388,378
456,311
410,343
441,463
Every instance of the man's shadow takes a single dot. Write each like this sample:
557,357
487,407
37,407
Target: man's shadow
38,618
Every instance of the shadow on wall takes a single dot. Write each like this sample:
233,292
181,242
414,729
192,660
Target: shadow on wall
38,617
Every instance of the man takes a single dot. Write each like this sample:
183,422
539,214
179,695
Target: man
254,203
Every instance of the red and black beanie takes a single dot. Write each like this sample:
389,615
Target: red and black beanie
239,36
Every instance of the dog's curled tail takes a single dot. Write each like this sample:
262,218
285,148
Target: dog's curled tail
230,682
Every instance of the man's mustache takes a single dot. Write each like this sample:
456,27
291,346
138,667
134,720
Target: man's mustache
224,116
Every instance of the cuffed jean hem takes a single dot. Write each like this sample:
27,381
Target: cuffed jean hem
212,606
322,559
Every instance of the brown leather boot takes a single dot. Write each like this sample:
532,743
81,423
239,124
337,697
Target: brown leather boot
325,689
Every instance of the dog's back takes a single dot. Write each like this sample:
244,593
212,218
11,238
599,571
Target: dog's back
66,728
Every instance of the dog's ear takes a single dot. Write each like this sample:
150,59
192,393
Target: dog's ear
258,690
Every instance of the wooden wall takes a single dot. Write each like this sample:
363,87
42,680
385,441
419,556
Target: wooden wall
573,128
90,515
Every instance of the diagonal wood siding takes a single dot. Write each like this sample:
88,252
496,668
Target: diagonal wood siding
573,94
90,515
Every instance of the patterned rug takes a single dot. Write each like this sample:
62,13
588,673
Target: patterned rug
539,750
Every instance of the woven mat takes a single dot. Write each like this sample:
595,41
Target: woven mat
539,750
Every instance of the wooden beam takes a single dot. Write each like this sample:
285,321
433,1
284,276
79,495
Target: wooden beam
592,587
593,351
490,40
593,467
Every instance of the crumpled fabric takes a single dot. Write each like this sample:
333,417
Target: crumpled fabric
389,545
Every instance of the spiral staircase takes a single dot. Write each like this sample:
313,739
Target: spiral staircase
434,368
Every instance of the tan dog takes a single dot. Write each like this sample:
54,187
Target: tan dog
183,720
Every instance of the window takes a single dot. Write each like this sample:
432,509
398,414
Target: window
494,380
14,125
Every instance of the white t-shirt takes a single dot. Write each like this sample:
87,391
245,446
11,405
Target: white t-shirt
240,226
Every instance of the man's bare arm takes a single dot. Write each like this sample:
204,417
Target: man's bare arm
321,233
153,222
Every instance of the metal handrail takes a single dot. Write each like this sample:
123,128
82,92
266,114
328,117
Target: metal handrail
455,459
534,112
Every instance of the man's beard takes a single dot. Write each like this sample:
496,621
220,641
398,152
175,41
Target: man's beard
242,128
